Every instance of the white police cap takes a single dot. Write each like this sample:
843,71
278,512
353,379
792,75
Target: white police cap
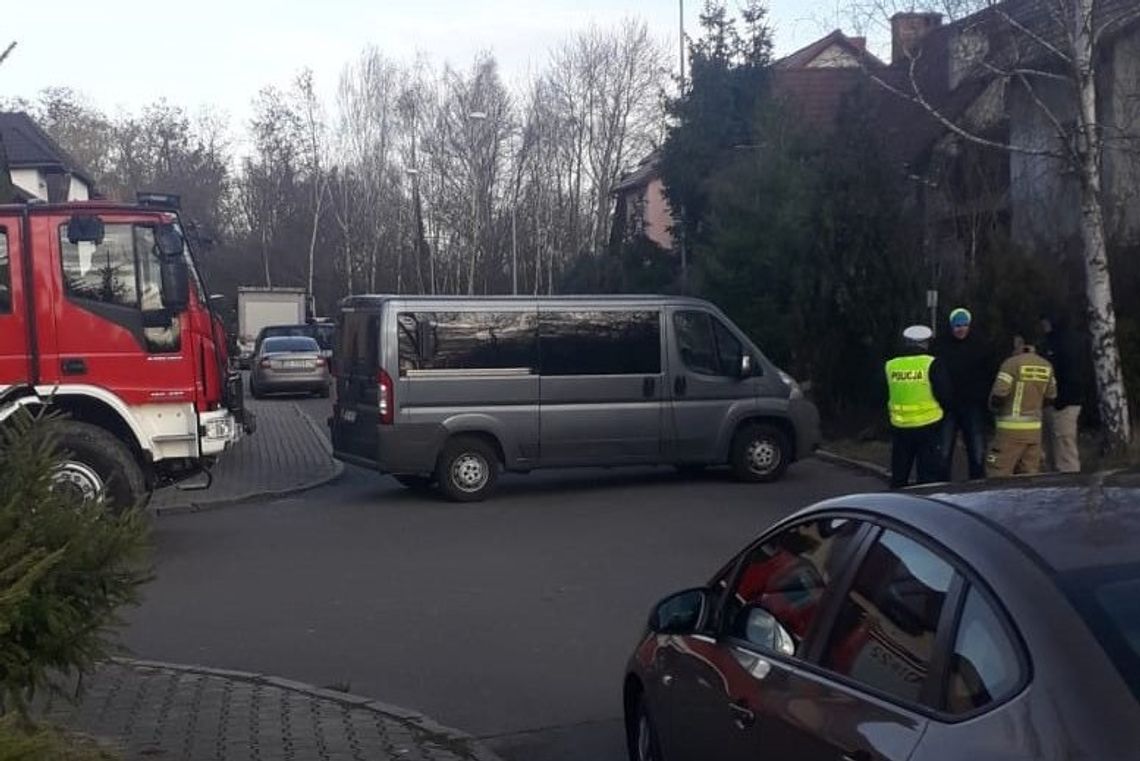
918,334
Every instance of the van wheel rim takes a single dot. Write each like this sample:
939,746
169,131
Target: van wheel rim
469,473
644,740
763,456
79,480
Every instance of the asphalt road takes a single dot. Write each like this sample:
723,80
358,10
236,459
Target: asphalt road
511,619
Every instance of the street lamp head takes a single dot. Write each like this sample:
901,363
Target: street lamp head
477,115
411,171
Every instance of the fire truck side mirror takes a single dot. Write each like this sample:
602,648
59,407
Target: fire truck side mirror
85,229
175,284
169,240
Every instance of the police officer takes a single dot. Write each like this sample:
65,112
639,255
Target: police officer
918,388
1024,385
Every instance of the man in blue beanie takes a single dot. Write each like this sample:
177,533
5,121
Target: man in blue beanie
963,356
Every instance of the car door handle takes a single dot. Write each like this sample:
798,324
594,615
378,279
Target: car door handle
73,366
742,714
680,385
649,388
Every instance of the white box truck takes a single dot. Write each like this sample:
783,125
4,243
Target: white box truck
261,307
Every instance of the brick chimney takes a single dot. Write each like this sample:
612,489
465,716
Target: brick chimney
907,32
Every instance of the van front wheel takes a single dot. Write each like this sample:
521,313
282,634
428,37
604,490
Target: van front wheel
760,453
467,470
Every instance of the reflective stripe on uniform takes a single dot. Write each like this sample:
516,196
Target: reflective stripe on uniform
1039,373
1018,424
1005,377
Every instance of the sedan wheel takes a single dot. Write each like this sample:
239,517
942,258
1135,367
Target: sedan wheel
644,745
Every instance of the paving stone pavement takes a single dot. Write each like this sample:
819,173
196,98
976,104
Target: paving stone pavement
287,453
151,711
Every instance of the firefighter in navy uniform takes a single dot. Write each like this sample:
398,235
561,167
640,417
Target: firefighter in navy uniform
918,387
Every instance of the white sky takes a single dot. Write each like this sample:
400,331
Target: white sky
219,53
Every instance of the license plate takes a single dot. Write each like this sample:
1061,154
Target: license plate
348,416
296,364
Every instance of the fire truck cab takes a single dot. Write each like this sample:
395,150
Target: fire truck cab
104,318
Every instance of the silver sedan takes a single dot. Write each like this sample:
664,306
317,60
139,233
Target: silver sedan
289,364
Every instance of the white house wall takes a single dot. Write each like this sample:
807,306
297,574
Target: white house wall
31,181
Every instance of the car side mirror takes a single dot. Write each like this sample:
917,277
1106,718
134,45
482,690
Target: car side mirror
746,366
681,613
763,629
175,284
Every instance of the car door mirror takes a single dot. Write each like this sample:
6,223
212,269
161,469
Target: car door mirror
681,613
746,366
764,629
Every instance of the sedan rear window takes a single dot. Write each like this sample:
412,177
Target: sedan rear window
1109,601
298,344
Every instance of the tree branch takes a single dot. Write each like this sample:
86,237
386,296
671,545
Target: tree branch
918,98
1033,36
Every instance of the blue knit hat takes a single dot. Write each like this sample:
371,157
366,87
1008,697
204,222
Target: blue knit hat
961,318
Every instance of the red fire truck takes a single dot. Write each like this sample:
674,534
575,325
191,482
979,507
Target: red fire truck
104,318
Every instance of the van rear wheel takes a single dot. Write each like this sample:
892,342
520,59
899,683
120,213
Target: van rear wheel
467,470
760,453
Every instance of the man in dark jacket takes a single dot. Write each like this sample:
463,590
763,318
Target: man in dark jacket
964,359
1062,349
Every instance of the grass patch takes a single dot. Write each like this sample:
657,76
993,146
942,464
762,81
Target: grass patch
37,742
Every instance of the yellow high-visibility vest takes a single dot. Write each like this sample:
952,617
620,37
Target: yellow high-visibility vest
912,403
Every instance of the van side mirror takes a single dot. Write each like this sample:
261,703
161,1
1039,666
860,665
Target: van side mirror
746,366
175,283
83,228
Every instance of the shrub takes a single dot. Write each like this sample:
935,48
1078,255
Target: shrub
66,568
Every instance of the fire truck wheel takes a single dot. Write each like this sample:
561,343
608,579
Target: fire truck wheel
97,466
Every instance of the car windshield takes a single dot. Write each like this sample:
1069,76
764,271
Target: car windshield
296,343
1109,600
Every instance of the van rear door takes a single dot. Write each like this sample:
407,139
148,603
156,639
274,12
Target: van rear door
356,363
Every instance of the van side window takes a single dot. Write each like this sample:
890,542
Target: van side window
468,341
5,275
706,344
600,343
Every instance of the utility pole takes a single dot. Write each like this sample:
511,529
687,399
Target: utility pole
681,80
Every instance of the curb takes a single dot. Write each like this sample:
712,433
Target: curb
265,494
457,740
863,466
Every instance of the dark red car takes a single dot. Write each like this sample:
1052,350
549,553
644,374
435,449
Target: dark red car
1001,621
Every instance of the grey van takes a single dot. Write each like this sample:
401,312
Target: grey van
451,390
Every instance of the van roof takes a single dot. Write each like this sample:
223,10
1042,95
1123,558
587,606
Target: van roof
376,301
